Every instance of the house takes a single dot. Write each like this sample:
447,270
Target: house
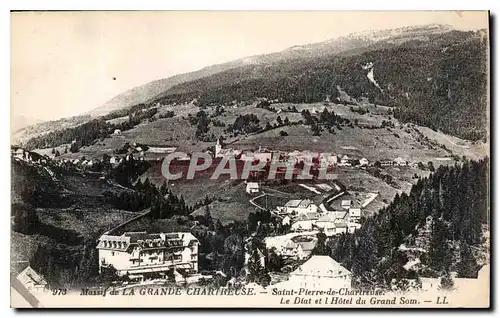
114,160
386,162
297,250
302,226
354,213
345,161
291,250
353,227
305,215
333,223
32,280
329,219
263,156
320,273
400,162
164,150
117,132
252,187
346,204
138,253
298,206
363,162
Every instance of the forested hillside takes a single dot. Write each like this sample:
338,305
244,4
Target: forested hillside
439,81
442,219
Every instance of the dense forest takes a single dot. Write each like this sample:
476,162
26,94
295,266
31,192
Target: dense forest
443,215
163,203
440,83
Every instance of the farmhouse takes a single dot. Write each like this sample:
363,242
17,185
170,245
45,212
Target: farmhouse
252,187
138,253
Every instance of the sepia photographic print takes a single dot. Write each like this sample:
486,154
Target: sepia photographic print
260,159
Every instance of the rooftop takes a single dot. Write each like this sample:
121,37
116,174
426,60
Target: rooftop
323,266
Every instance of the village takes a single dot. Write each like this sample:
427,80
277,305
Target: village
143,259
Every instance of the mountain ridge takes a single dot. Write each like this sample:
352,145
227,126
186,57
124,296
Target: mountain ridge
148,91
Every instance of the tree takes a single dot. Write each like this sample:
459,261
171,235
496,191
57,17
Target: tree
283,133
446,282
440,254
287,121
467,266
25,218
321,247
418,283
74,147
274,261
279,120
207,215
431,166
255,269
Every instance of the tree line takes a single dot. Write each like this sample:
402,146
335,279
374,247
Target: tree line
445,211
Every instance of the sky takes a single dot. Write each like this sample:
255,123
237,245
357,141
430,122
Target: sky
67,63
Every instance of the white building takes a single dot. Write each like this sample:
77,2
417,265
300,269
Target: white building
400,162
345,161
363,162
333,226
354,213
320,273
162,149
137,253
298,206
117,132
328,222
252,187
346,204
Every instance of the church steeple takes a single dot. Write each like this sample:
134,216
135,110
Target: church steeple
218,147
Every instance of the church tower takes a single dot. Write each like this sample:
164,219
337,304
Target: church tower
218,148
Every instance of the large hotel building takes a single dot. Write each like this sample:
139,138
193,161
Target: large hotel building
139,253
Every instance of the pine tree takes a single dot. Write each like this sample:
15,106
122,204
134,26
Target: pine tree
467,266
207,216
440,254
255,269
